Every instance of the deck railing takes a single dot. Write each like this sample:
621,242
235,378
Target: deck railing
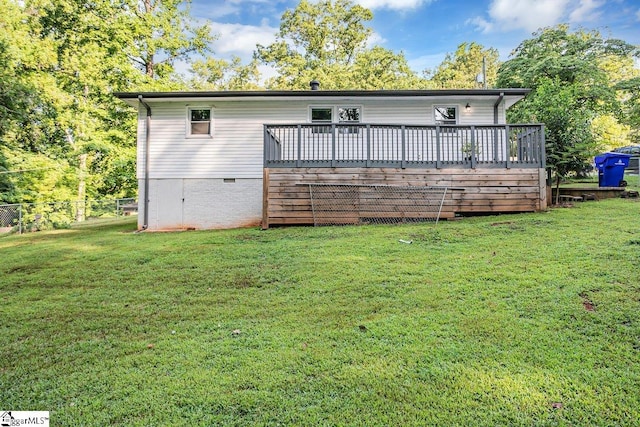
404,146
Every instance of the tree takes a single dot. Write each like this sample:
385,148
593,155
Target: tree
630,90
160,32
7,187
570,88
219,74
60,62
328,41
462,68
380,68
569,140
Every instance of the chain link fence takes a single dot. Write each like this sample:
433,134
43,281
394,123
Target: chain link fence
27,217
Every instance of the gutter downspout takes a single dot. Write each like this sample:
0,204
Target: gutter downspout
495,108
147,139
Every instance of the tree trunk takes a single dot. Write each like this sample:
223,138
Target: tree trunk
148,61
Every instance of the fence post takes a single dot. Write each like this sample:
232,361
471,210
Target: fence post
20,219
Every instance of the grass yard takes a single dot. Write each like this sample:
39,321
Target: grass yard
530,319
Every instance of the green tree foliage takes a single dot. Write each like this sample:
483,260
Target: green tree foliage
7,187
219,74
160,32
630,91
570,143
328,41
379,68
461,69
571,87
61,129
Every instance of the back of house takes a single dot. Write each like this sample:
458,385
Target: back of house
205,158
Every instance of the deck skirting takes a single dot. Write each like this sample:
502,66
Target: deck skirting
286,198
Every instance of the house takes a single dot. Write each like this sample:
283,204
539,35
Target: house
244,158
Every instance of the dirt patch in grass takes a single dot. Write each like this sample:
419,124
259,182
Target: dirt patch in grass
587,303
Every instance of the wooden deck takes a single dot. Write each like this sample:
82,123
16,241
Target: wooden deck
485,168
286,198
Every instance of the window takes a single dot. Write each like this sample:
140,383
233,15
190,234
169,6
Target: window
446,115
199,121
344,115
321,115
349,115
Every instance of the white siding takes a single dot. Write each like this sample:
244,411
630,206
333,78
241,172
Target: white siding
187,186
235,149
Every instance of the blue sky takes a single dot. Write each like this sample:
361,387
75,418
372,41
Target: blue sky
426,30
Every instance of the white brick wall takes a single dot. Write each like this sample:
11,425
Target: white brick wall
202,203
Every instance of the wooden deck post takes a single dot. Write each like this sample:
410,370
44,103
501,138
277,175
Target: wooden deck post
403,140
438,150
507,144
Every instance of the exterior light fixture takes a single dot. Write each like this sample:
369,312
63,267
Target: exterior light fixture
467,107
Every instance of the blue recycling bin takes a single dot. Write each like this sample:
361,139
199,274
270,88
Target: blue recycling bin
611,169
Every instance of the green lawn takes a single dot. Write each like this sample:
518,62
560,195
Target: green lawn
530,319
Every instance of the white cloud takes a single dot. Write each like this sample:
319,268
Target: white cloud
392,4
241,40
481,24
375,39
530,15
587,10
526,14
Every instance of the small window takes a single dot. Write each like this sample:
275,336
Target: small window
321,115
199,121
349,115
446,115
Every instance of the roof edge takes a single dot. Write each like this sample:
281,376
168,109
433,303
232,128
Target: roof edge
323,93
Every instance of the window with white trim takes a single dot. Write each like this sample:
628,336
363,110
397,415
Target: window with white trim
343,114
199,121
349,115
321,115
445,114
